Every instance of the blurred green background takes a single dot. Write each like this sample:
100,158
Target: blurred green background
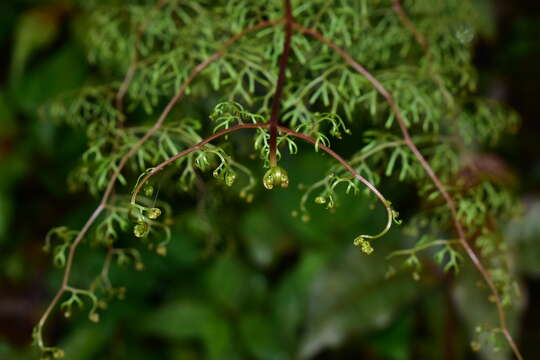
270,286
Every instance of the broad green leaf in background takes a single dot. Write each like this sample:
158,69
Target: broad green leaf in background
36,29
261,237
86,341
350,297
292,294
42,83
179,321
231,284
524,233
262,337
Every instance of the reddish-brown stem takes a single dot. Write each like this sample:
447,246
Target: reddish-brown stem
203,65
195,147
285,130
124,88
119,106
429,170
424,44
110,186
276,100
420,38
281,128
336,156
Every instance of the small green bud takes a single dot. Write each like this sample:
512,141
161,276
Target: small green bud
134,213
230,176
161,250
141,229
364,245
58,353
148,190
67,314
94,317
139,266
216,173
268,181
320,200
276,176
154,213
478,329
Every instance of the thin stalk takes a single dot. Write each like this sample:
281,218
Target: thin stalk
415,250
420,38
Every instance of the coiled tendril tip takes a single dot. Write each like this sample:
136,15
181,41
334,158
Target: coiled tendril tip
364,245
275,176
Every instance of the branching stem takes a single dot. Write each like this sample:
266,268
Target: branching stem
110,186
156,169
274,128
421,39
429,170
286,130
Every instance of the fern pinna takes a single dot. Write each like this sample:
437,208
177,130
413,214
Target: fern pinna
285,72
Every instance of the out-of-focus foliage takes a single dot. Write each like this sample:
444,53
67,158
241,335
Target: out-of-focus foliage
242,280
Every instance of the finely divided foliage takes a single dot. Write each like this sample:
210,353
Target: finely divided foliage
298,65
